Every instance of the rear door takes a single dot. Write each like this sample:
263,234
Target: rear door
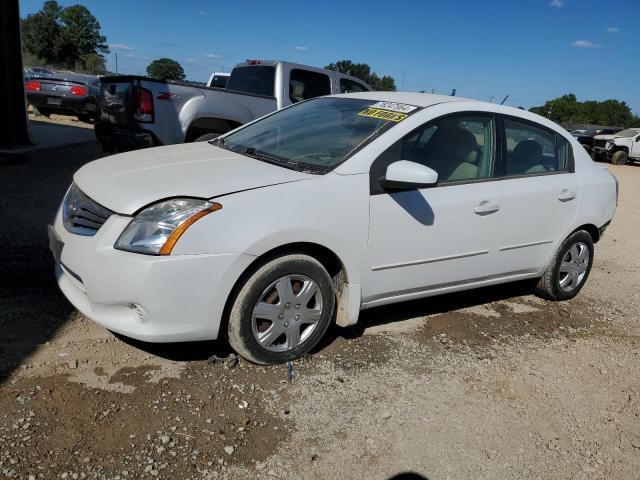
538,199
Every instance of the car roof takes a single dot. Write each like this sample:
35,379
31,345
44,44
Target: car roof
411,98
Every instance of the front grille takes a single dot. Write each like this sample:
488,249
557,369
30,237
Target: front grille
599,143
81,215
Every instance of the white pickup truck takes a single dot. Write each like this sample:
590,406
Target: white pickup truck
139,112
624,147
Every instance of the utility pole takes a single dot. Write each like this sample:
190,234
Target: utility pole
116,54
404,74
12,101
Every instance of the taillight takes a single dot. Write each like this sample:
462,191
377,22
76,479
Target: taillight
33,86
80,91
143,103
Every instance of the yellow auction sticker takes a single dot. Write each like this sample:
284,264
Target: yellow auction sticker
383,114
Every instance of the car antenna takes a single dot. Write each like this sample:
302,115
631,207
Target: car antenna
504,100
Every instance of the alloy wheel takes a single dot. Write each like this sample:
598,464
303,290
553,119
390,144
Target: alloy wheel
573,268
287,312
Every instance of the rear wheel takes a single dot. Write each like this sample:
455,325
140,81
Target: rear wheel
619,158
282,311
568,272
85,118
42,112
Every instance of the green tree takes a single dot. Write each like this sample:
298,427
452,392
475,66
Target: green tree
567,109
40,32
79,35
165,69
363,72
64,36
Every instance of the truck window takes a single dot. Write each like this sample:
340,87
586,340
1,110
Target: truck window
258,80
304,84
349,86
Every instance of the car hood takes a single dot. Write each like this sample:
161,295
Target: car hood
603,137
127,182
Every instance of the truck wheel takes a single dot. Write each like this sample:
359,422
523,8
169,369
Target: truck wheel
282,311
619,158
568,271
206,137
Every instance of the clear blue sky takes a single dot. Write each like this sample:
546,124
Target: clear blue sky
533,50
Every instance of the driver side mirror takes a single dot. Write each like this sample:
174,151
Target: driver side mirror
406,175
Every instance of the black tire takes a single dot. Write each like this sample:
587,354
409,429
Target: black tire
619,158
207,136
243,330
42,112
550,286
84,118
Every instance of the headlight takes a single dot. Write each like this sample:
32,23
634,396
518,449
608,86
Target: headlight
156,229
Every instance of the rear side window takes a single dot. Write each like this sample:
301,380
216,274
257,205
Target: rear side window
304,84
349,86
534,151
258,80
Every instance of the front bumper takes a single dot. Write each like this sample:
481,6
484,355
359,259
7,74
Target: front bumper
150,298
124,139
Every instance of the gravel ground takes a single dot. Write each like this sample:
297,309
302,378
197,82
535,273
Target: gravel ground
487,384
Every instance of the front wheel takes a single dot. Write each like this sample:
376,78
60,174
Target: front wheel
619,158
282,311
568,272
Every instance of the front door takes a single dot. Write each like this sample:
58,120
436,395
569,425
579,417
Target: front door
432,238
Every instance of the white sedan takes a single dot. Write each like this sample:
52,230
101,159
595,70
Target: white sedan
313,213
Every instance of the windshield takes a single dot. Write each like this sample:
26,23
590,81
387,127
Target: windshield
317,135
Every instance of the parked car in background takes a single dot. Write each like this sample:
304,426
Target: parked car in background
341,203
138,112
65,94
598,152
624,147
218,80
585,138
36,72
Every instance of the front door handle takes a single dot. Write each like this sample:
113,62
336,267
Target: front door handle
566,195
486,208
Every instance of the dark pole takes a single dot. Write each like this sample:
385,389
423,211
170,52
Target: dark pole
12,101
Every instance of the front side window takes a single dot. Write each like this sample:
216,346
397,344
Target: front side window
459,148
317,135
349,86
532,150
304,85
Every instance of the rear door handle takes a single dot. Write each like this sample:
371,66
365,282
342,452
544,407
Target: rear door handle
486,208
566,195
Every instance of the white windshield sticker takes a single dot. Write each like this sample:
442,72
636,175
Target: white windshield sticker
394,107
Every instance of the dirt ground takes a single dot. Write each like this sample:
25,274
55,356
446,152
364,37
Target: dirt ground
493,383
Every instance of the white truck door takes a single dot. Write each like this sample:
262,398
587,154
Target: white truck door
635,148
